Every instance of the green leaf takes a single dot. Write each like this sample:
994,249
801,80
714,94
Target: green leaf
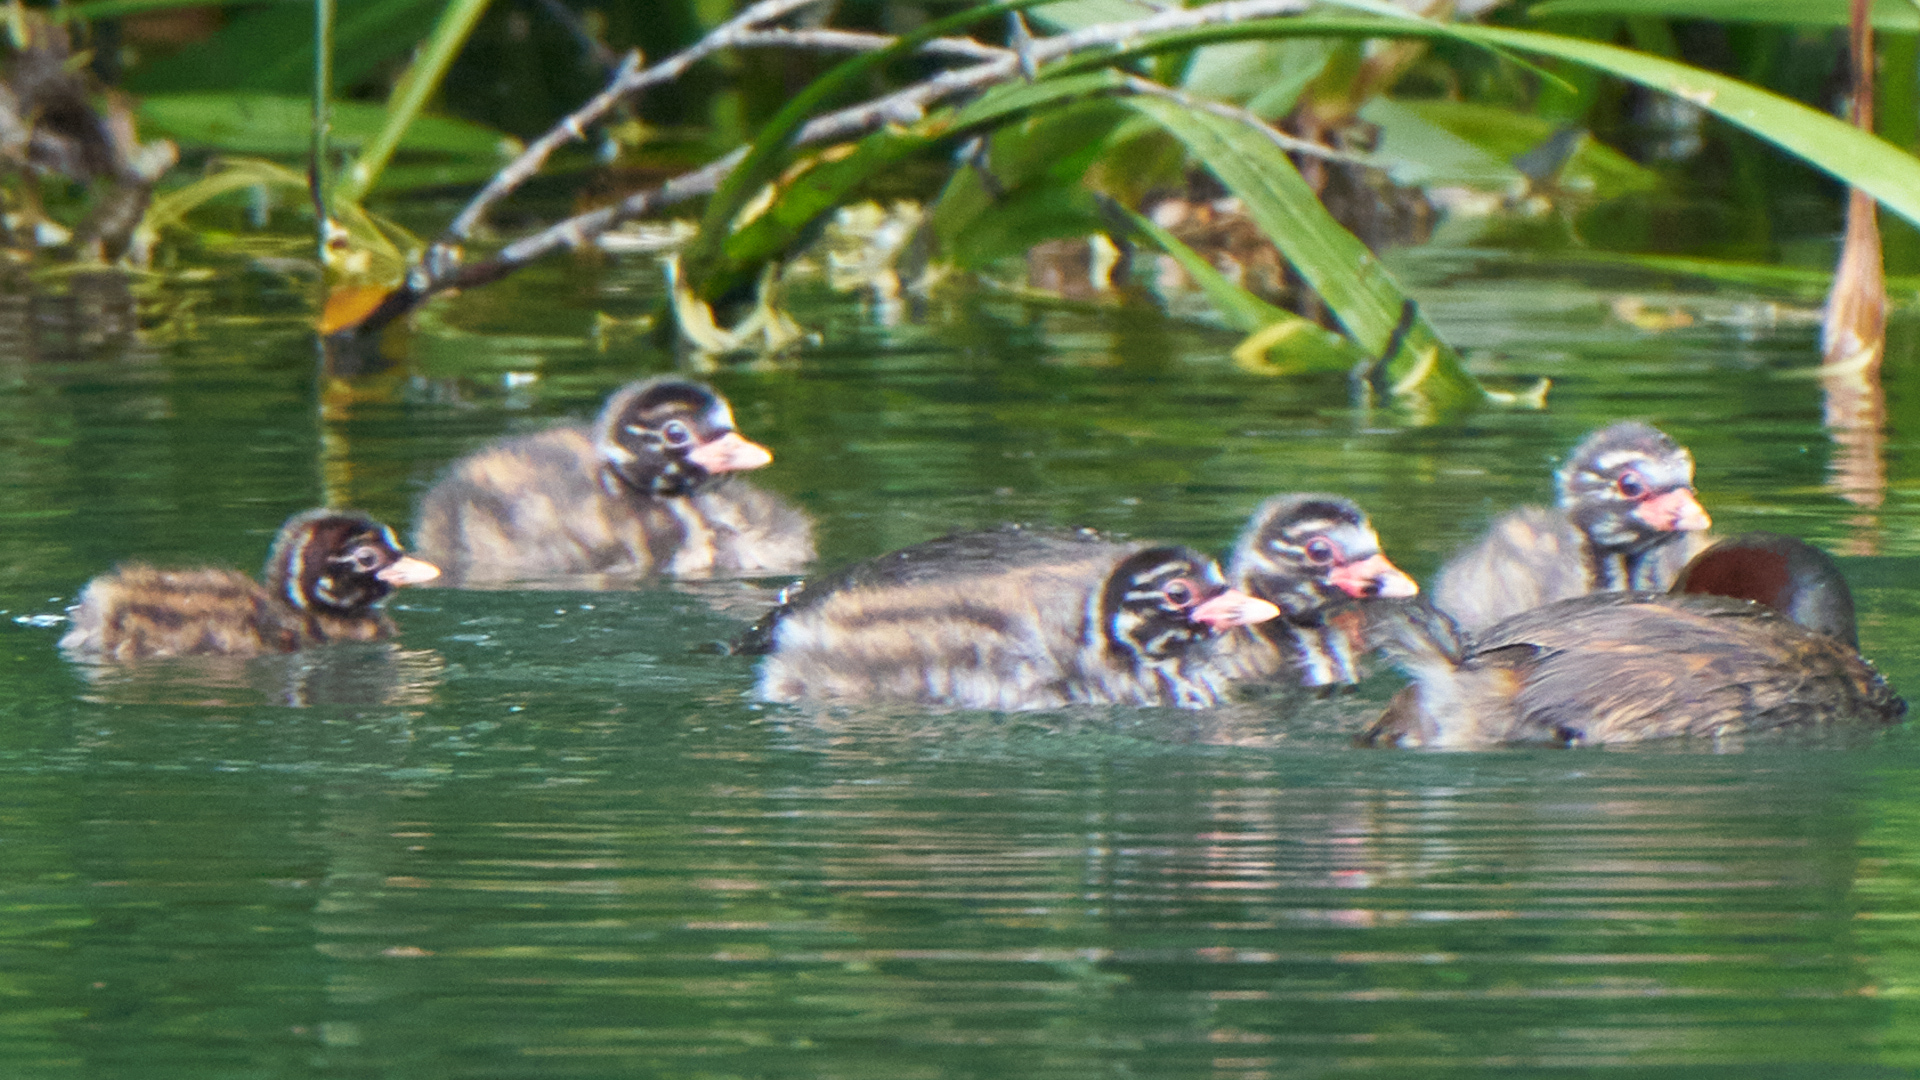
1020,219
1426,140
229,175
1355,287
1848,154
278,124
1265,76
1416,151
1895,15
1805,283
1080,14
1241,309
1334,262
113,9
1309,347
1060,145
1010,99
270,48
703,262
825,185
416,84
1339,268
1036,191
171,208
1838,148
1296,26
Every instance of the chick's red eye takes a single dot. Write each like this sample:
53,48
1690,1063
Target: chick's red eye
1321,550
676,433
1179,592
1630,485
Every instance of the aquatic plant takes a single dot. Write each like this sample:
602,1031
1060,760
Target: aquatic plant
1021,122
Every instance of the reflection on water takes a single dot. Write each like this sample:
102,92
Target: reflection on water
1035,908
372,673
549,834
1856,414
89,314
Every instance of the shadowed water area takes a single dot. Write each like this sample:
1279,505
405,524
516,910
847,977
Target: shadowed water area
549,834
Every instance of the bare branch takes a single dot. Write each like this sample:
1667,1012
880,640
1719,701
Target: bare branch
440,270
630,79
910,104
580,231
857,41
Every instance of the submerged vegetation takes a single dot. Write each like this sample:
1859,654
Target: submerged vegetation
1264,149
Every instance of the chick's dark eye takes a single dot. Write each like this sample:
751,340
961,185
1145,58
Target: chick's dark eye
1179,592
365,558
1321,550
1630,485
676,433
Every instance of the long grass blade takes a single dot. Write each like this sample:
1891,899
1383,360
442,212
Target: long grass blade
318,174
1894,15
1412,359
1828,143
1306,346
770,149
409,96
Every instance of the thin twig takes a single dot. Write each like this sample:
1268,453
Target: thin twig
630,79
860,41
910,104
1020,37
440,269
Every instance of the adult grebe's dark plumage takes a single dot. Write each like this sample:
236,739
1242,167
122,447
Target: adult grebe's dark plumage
1009,619
1627,519
1757,635
327,572
1311,556
637,493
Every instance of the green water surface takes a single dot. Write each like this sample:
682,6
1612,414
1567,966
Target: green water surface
550,835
